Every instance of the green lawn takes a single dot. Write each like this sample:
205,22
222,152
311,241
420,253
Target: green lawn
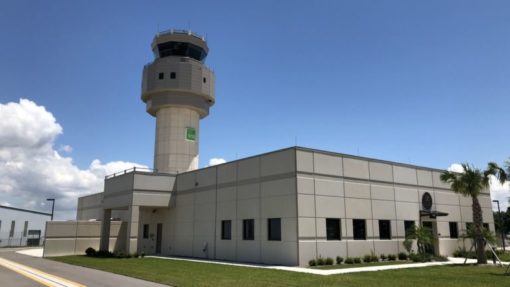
505,256
184,273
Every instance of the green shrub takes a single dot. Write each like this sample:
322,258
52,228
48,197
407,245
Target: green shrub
142,254
339,260
349,260
357,260
367,258
392,257
329,261
104,253
90,251
383,257
312,262
402,256
374,258
320,261
425,257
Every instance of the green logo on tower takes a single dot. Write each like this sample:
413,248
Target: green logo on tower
191,134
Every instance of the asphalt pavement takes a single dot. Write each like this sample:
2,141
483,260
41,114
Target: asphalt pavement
75,274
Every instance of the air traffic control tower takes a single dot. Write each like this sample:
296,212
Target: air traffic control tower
178,89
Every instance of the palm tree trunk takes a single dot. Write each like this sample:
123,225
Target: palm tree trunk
478,225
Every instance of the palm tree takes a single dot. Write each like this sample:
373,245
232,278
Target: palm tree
471,183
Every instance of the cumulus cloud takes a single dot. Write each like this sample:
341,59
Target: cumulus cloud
456,167
66,148
216,161
31,169
499,191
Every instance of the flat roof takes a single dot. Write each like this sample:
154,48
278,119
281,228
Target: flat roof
25,210
324,152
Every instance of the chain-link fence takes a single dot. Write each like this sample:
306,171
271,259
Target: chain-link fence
16,239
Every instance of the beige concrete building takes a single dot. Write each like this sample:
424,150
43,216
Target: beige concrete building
284,207
287,207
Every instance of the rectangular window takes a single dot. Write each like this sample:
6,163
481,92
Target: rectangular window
384,229
333,229
469,225
146,231
161,76
173,75
454,230
226,229
248,229
25,229
274,229
359,229
13,225
486,226
408,227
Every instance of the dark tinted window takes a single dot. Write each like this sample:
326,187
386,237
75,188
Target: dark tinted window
384,229
486,226
359,229
13,226
181,49
226,229
146,231
173,75
205,80
274,229
161,76
333,229
454,231
248,229
408,227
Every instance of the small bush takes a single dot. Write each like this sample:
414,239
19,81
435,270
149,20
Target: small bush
402,256
383,257
349,260
320,261
357,260
135,255
90,251
392,257
367,258
420,257
460,252
142,254
312,262
329,261
104,253
374,258
339,260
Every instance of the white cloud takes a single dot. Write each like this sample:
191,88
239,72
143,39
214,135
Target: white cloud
216,161
456,167
66,148
31,170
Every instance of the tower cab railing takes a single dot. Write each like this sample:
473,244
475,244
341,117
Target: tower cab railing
182,31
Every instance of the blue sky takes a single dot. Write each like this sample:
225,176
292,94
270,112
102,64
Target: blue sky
421,82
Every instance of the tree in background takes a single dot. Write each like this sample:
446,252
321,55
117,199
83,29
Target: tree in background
471,182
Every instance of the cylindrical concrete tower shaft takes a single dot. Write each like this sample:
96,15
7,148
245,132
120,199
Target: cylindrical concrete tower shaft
178,89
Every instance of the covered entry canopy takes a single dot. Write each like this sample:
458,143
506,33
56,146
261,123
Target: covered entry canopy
432,213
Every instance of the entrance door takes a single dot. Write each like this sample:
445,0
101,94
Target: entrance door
159,237
429,248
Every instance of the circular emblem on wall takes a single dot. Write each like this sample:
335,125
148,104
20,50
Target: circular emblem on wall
426,201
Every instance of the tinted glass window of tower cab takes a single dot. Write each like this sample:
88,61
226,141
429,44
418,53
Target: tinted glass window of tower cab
181,49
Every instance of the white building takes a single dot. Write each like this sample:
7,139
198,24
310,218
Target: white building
19,227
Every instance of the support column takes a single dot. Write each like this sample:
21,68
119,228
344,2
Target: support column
132,229
105,230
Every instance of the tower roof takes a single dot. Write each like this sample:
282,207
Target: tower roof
180,43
